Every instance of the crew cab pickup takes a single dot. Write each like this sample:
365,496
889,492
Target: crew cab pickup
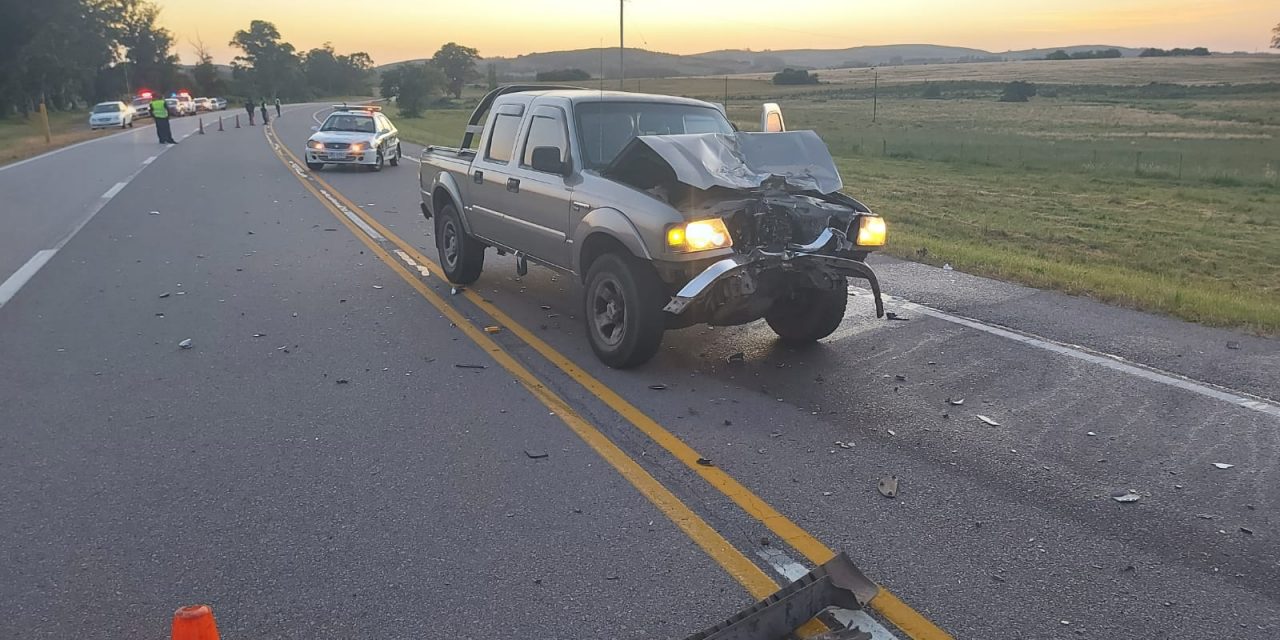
667,213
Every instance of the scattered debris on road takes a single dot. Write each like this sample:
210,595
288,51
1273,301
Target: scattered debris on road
1090,433
957,402
1223,465
988,420
888,486
735,358
185,344
706,462
844,445
342,381
1246,531
535,454
165,294
900,378
470,366
377,286
946,266
658,387
893,316
1233,345
259,335
1126,495
453,291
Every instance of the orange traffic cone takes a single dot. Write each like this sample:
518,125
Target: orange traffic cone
194,622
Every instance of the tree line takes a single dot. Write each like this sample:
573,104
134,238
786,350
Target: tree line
1096,54
413,84
70,53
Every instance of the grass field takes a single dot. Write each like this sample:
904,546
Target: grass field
1163,197
22,138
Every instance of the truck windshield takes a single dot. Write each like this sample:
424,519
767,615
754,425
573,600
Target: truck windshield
604,128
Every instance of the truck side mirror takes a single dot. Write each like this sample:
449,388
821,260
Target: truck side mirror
771,118
547,160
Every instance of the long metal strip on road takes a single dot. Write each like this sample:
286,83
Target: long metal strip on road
911,622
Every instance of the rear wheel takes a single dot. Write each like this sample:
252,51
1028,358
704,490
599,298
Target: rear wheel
623,310
807,315
461,256
395,160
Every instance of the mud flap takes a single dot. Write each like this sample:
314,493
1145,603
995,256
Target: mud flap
837,583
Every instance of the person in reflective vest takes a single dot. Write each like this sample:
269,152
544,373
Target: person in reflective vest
160,113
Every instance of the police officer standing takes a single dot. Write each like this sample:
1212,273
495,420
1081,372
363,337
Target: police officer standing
248,106
160,113
265,118
277,107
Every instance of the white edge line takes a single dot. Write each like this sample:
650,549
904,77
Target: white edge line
1116,363
111,193
46,154
15,282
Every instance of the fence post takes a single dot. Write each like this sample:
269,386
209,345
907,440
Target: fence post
44,119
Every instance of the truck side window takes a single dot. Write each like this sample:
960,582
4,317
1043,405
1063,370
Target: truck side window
502,140
545,131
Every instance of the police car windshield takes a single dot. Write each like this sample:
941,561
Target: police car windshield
347,122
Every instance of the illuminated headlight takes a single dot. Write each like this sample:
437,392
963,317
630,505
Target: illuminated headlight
872,231
315,145
357,147
699,236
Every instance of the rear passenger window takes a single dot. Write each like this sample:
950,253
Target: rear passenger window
502,139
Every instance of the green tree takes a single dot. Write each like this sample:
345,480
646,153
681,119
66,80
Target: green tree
493,76
205,73
269,65
147,48
458,65
389,83
417,84
1275,37
1018,91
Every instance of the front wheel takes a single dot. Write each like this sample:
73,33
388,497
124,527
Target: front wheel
623,310
377,164
461,256
315,166
395,160
807,315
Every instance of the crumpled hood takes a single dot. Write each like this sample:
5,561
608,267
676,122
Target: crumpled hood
736,161
341,136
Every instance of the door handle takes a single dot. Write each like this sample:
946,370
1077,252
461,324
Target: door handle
513,185
478,177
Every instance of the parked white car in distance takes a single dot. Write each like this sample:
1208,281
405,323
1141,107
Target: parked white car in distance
111,114
204,104
142,107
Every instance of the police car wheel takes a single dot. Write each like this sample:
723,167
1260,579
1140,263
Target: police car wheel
315,166
395,160
377,164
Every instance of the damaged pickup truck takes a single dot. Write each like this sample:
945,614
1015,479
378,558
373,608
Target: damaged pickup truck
668,215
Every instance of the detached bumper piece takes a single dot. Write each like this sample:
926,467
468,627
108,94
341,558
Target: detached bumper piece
837,583
814,254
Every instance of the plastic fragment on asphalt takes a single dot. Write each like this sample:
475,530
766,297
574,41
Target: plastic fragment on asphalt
900,378
377,286
736,358
844,445
658,387
1223,465
1233,345
185,344
888,486
155,213
706,462
946,266
342,381
1125,496
165,294
889,315
259,335
891,432
1206,516
492,329
957,402
453,291
1246,531
546,307
535,454
988,420
469,366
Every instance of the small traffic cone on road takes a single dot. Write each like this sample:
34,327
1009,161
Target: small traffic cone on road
201,125
194,622
220,124
237,121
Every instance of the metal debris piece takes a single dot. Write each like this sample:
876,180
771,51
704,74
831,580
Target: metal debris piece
342,381
844,445
185,344
1206,516
377,286
706,462
453,291
658,387
492,329
546,307
957,402
888,486
155,213
735,358
891,432
259,335
470,366
1246,531
1125,496
889,315
946,266
165,294
988,420
535,454
1223,465
1233,345
900,378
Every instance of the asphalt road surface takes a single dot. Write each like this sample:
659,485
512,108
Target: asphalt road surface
318,465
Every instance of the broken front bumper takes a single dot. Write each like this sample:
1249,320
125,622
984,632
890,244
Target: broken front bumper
816,254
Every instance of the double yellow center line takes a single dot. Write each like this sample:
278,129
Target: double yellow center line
746,572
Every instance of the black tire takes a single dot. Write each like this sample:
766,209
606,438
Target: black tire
315,166
377,165
461,256
807,315
622,307
395,161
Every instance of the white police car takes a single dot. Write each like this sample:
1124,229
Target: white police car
354,135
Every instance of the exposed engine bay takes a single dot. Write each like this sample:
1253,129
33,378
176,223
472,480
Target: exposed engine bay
779,197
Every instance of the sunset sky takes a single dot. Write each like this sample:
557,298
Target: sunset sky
392,30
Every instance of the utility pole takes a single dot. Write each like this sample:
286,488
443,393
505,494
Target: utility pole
621,47
875,94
